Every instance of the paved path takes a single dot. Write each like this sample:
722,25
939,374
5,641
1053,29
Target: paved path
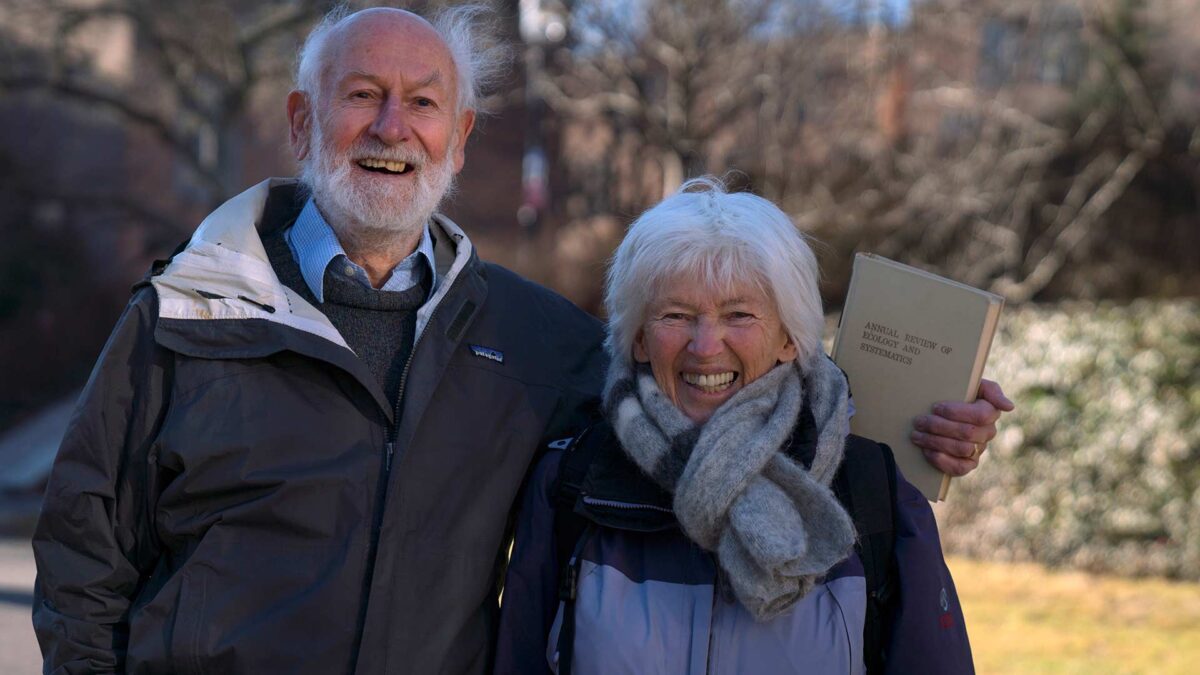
18,648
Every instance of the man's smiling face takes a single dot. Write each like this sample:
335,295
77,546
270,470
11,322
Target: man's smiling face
384,137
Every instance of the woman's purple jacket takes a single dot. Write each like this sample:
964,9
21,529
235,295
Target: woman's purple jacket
650,603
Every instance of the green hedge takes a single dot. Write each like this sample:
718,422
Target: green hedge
1099,466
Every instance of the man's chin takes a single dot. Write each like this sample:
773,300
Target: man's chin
365,199
373,205
380,185
382,216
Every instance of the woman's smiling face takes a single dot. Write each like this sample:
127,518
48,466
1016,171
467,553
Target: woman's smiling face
703,345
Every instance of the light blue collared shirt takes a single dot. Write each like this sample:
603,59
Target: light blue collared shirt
316,247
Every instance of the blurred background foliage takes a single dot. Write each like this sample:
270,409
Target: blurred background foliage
1048,150
1099,467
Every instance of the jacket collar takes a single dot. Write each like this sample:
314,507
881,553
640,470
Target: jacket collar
224,273
219,297
615,493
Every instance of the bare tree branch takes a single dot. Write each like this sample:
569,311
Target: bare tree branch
1068,240
122,106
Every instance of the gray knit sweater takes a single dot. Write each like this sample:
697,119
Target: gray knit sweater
378,325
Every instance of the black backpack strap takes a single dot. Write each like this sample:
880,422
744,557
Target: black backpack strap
866,485
572,470
567,586
571,530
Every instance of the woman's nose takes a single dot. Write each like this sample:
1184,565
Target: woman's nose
707,340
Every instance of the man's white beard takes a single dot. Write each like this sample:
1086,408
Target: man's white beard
368,212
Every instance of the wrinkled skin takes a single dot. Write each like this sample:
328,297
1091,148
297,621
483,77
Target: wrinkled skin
733,334
954,434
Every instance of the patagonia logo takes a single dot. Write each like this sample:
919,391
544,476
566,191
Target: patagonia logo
560,444
488,353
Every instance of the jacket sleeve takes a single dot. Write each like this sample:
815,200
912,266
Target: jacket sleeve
93,543
577,358
928,634
531,584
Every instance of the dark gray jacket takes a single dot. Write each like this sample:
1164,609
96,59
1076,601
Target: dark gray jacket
225,500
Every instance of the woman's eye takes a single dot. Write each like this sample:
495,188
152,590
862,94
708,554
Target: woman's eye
361,95
740,316
425,103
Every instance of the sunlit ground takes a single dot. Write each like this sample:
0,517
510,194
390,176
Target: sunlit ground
18,649
1026,619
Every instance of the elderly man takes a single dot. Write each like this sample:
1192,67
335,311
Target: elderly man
299,448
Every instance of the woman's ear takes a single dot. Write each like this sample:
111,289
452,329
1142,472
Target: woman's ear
640,355
789,351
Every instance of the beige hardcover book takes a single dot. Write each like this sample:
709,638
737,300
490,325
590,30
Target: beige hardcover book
908,339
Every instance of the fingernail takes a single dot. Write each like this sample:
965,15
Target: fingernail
940,409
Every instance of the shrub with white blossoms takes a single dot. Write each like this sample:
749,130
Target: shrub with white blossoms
1099,466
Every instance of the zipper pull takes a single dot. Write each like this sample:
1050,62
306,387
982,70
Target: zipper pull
387,463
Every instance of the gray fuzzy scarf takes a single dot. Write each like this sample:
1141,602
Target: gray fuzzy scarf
774,526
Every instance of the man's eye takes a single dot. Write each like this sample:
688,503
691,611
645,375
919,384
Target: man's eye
674,316
361,95
425,103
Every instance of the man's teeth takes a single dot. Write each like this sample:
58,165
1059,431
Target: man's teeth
710,383
394,167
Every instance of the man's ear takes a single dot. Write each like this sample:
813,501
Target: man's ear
299,112
465,123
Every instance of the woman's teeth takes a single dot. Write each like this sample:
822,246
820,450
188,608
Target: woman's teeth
710,384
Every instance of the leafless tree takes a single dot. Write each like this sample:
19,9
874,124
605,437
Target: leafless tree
995,142
1026,179
192,76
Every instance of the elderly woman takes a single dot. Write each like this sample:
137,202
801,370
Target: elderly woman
718,520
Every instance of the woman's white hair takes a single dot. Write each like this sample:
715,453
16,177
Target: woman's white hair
469,31
717,239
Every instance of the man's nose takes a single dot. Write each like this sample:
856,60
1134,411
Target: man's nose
391,124
707,339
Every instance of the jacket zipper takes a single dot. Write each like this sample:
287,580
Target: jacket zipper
389,452
611,503
712,619
395,426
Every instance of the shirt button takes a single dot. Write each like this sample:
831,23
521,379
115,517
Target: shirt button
349,270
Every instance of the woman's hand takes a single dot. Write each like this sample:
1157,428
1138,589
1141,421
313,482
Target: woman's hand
955,434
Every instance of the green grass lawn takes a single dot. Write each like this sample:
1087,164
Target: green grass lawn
1027,619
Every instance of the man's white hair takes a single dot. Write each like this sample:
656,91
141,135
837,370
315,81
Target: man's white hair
716,239
469,31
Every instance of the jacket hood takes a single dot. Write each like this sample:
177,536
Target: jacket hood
224,272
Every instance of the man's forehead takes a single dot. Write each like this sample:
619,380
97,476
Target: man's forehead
385,19
379,38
